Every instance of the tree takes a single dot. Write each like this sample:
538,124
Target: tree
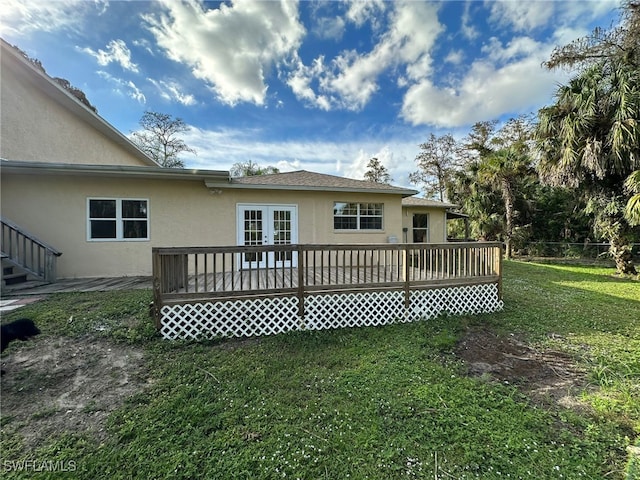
159,138
376,172
503,170
590,137
478,201
250,169
632,210
436,163
495,179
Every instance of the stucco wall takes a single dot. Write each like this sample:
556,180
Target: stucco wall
34,127
181,213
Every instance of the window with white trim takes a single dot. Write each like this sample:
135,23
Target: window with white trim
357,216
123,219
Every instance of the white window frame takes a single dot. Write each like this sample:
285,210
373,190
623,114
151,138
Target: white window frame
119,220
358,217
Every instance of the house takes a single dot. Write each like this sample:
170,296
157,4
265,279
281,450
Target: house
228,257
80,187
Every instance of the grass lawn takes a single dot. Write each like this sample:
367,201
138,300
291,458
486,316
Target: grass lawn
380,403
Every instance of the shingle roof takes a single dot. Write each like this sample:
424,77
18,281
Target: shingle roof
423,202
303,179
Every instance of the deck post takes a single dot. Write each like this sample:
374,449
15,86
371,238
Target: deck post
406,274
499,270
158,281
301,282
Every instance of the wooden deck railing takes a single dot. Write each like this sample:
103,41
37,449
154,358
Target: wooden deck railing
183,275
27,252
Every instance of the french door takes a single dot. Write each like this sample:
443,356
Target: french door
267,225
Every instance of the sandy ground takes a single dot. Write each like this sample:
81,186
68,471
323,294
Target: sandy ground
61,384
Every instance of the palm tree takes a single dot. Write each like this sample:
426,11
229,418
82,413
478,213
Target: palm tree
590,138
504,170
477,200
632,210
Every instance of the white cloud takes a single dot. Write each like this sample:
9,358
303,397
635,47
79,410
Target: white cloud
300,81
455,57
22,17
522,16
361,11
116,52
171,91
351,79
220,149
509,80
331,28
527,16
124,87
468,30
231,47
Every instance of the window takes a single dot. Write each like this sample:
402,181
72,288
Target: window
117,219
420,227
357,216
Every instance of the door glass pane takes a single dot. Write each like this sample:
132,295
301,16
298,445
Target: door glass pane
282,233
253,227
253,234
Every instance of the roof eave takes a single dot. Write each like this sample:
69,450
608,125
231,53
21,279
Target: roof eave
249,186
9,166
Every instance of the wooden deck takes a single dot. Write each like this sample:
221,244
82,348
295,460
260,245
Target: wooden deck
263,290
67,285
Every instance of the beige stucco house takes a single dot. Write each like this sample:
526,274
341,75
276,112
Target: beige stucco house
73,181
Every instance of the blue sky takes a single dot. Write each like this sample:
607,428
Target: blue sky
313,85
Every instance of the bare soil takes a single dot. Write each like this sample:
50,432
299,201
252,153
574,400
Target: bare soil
58,384
548,377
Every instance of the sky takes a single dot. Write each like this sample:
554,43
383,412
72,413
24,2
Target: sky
322,86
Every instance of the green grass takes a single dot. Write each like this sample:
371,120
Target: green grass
379,403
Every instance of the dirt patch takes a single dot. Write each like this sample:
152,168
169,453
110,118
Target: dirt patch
546,376
60,384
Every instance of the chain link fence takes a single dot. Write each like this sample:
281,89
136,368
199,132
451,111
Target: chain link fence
567,250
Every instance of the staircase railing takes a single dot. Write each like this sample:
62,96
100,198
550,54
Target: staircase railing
27,252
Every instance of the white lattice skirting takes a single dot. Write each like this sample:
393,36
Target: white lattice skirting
268,316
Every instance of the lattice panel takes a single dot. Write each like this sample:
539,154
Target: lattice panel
353,309
242,318
231,318
472,299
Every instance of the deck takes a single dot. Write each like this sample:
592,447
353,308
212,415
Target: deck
67,285
257,290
